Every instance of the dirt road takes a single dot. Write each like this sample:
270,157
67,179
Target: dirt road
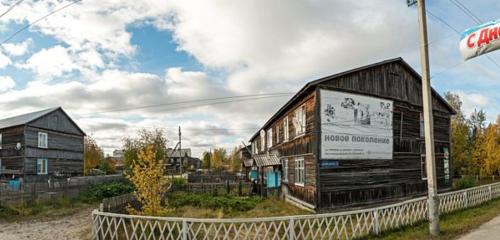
75,226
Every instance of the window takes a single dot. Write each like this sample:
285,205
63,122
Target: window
299,171
41,166
269,138
277,134
299,121
285,129
0,141
262,140
284,164
422,131
423,170
42,140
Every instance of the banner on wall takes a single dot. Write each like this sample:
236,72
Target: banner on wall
480,39
355,126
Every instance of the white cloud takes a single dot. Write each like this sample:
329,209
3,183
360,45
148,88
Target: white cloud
6,83
51,62
17,49
4,61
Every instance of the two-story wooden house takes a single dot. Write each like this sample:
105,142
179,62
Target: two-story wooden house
46,142
356,137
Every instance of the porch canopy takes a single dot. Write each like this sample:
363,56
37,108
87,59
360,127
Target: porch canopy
265,160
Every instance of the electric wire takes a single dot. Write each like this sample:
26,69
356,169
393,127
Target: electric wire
10,8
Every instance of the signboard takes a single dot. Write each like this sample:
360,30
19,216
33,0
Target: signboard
355,126
328,164
480,39
446,161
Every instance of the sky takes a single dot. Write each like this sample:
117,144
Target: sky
117,66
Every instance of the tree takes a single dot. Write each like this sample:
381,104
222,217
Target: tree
491,150
92,154
148,177
218,158
460,153
131,146
207,160
108,165
235,160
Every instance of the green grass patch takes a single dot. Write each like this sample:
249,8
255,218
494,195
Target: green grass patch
452,225
62,206
193,205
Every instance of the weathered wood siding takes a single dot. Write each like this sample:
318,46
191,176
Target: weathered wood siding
12,159
57,121
361,181
297,146
64,152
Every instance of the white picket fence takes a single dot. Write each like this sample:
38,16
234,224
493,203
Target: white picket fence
342,225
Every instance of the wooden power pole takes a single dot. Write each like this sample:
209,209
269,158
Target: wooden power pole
433,198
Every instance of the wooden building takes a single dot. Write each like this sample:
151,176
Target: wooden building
46,142
356,138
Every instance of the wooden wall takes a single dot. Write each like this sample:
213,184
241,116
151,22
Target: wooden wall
64,152
362,181
12,159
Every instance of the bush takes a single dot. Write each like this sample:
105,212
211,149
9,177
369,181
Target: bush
225,202
106,190
464,182
178,181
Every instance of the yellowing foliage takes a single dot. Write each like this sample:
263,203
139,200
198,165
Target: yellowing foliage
92,154
147,175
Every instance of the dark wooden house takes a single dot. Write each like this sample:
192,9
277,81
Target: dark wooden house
46,142
356,138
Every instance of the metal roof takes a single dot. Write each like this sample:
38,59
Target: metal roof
266,160
24,118
312,84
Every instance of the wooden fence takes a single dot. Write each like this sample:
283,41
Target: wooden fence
342,225
215,178
237,188
48,190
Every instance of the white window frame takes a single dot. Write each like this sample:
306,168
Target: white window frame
277,134
300,117
286,133
41,166
43,140
263,142
269,138
0,142
284,165
299,175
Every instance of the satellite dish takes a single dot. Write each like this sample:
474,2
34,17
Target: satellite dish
18,146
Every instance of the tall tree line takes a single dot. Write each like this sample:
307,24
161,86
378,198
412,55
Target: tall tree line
475,143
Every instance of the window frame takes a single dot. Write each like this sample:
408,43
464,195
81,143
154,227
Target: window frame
421,125
1,140
269,139
423,167
45,163
299,171
286,132
263,142
284,164
43,136
277,134
300,115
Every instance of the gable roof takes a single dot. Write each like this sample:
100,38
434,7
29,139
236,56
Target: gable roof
312,84
31,117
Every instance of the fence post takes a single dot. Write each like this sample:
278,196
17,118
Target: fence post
184,229
291,229
466,200
376,227
489,189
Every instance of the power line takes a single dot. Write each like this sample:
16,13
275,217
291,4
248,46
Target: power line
38,20
203,102
11,7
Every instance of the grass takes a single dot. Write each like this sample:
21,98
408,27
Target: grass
224,207
56,208
452,225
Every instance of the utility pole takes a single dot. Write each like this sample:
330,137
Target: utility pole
433,198
180,151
